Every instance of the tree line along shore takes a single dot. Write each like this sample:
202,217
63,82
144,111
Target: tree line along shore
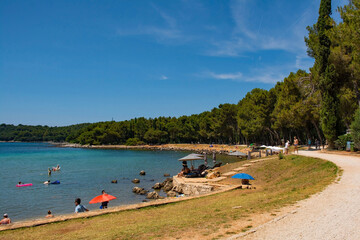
320,104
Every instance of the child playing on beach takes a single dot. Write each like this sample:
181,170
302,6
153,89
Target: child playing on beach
78,207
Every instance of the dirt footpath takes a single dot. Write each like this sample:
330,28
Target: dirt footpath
331,214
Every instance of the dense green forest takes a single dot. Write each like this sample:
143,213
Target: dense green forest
316,105
25,133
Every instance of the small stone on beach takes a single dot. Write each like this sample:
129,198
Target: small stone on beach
171,194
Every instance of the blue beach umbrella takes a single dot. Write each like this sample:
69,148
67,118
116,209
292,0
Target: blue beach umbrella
243,176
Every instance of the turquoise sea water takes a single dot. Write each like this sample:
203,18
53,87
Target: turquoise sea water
84,173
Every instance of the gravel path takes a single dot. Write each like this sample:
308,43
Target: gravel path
332,214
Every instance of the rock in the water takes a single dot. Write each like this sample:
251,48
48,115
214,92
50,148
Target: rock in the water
166,181
157,186
142,172
168,186
143,192
166,175
139,190
153,195
144,200
171,194
136,189
136,180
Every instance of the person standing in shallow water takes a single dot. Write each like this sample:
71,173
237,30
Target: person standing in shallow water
296,145
49,171
104,204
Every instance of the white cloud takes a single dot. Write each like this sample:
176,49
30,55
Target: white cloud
267,75
255,30
303,62
163,77
167,30
171,22
157,32
227,76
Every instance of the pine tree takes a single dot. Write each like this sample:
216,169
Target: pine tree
319,45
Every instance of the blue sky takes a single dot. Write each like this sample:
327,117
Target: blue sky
68,62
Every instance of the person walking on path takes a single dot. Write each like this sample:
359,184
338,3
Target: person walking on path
309,144
5,220
296,144
78,207
287,144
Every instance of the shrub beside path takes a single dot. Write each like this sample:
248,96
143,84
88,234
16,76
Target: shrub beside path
331,214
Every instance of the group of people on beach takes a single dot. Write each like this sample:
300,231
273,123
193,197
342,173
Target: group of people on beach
296,145
79,208
186,170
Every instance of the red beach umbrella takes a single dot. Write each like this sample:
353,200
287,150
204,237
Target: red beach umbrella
102,198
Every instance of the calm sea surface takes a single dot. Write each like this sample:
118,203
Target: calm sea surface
84,173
